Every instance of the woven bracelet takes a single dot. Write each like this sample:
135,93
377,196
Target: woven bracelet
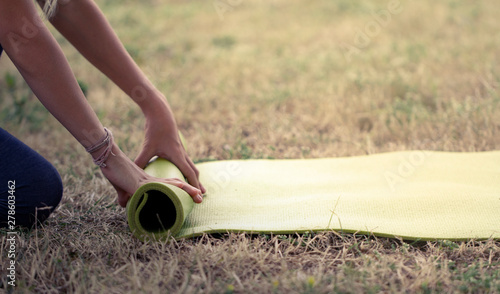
106,140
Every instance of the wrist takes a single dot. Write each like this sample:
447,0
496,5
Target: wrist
101,150
155,107
116,156
149,99
159,114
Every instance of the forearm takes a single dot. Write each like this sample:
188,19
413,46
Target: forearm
41,62
82,23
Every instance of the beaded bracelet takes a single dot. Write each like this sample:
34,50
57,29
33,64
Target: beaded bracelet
106,140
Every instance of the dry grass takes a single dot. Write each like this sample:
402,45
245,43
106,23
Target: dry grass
270,81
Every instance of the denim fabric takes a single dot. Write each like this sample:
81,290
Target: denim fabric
38,186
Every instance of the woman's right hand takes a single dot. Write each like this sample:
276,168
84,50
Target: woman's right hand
127,177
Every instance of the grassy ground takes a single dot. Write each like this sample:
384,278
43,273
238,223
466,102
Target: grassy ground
270,79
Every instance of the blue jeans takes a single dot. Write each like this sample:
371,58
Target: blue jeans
31,179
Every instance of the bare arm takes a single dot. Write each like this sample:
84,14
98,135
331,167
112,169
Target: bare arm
41,62
82,23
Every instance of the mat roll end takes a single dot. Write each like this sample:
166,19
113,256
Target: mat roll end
157,211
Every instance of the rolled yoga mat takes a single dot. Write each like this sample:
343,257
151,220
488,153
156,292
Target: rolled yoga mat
410,194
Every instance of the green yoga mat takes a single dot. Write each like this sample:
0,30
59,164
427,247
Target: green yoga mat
411,194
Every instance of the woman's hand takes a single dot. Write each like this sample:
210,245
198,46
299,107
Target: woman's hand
127,177
84,25
162,140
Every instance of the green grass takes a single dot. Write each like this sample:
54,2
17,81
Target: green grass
270,80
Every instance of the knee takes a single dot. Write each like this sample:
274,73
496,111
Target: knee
36,197
48,196
53,190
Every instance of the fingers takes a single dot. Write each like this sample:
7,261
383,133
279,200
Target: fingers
195,193
203,190
197,173
179,158
188,170
144,156
126,177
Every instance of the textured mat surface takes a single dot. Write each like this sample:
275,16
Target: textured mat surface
412,194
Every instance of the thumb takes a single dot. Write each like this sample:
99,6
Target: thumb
143,158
